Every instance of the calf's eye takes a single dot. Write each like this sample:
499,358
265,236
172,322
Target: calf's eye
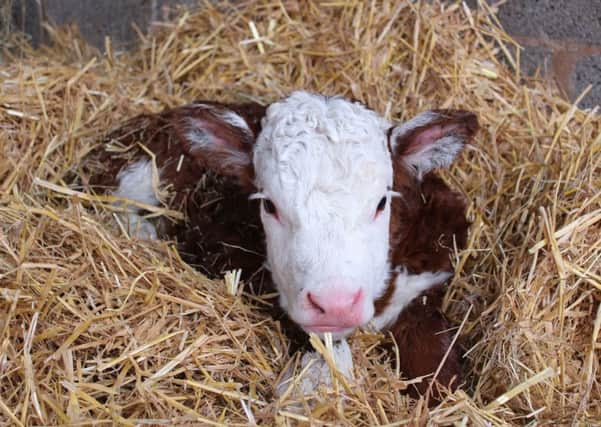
381,205
270,207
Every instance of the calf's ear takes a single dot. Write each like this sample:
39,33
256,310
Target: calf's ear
432,139
221,137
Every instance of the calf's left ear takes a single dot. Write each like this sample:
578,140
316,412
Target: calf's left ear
432,139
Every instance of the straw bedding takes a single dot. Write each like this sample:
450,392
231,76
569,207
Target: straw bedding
99,329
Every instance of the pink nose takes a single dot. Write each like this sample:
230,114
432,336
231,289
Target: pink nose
336,309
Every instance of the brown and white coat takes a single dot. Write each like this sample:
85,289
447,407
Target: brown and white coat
354,227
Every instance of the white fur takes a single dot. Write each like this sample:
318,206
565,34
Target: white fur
435,156
139,227
236,121
203,139
418,121
198,136
319,372
136,183
228,116
407,287
325,164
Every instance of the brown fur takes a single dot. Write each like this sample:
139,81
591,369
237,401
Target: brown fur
222,230
427,222
423,336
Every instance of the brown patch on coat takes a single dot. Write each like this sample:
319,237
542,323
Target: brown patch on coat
383,301
427,222
423,336
164,135
222,230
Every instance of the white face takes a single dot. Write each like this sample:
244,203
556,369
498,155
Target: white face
324,173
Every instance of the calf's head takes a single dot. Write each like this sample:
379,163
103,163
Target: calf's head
324,170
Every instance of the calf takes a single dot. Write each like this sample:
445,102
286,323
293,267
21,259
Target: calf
353,226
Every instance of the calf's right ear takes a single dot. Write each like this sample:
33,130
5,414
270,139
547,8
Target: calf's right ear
221,137
432,139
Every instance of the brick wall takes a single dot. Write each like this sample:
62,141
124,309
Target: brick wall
561,38
95,18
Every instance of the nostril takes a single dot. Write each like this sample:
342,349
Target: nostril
357,297
314,304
